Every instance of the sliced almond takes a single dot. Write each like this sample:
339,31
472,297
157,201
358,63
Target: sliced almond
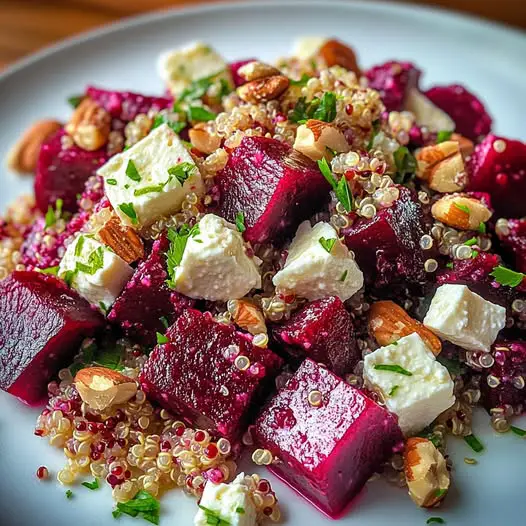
101,388
122,240
316,139
263,90
336,53
257,70
90,125
203,139
247,316
426,472
388,322
458,211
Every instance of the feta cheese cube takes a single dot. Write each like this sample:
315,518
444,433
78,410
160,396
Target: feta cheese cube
308,46
94,271
215,265
464,318
413,384
427,114
138,181
319,265
231,503
178,68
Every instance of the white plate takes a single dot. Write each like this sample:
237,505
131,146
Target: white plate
489,59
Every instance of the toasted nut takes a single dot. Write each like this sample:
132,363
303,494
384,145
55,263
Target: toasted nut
23,156
202,139
315,139
101,388
89,126
336,53
263,90
458,211
122,240
247,316
466,145
257,70
425,472
388,322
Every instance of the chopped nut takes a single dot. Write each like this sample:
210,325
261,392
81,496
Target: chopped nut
101,388
263,90
202,139
458,211
316,139
23,156
336,53
89,126
425,472
388,322
248,316
257,70
122,240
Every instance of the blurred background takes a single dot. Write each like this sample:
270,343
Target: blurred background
28,25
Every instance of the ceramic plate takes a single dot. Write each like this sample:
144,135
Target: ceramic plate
489,59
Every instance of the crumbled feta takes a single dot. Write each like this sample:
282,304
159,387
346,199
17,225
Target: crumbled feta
215,265
417,399
94,271
427,114
464,318
308,46
230,502
319,265
138,181
178,68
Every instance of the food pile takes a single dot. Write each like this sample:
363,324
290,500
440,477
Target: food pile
315,264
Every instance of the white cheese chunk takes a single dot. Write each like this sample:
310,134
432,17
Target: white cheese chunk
94,271
426,113
150,191
230,502
215,265
307,46
417,399
311,271
464,318
178,68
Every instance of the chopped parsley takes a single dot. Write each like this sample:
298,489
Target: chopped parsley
75,100
443,136
161,338
474,443
395,388
129,210
301,82
110,358
132,172
374,133
394,368
149,189
439,493
482,227
111,181
405,164
299,112
103,307
518,431
343,277
240,510
327,244
69,494
176,126
474,254
240,221
213,518
471,242
174,256
68,277
341,187
91,485
507,277
200,114
142,505
323,109
52,216
435,520
182,171
79,246
95,262
449,265
453,366
164,321
49,270
464,208
196,90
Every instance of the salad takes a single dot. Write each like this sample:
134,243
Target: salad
315,265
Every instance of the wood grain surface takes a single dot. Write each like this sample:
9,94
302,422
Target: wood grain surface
28,25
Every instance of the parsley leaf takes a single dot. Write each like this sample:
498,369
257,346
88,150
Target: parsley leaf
132,172
129,210
435,520
471,242
443,136
507,277
301,82
474,443
110,358
482,228
49,270
299,112
462,207
326,110
343,194
161,338
343,277
164,321
200,114
69,494
148,190
75,100
327,244
91,485
95,262
240,221
176,126
111,181
182,171
78,247
240,510
394,368
213,518
143,505
395,388
405,165
518,431
178,241
326,171
196,90
52,216
440,493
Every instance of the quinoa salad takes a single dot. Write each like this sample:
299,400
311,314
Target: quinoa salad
313,266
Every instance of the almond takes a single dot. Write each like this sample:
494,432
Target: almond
336,53
263,90
23,156
388,322
122,240
247,316
426,472
89,126
101,388
257,70
458,211
203,139
466,145
316,139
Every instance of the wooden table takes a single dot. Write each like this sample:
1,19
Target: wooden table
28,25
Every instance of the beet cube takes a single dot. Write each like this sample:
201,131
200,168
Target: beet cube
514,242
42,324
208,373
274,185
321,330
234,68
330,447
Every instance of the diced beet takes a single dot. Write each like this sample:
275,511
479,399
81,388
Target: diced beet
234,68
471,118
509,370
393,80
387,247
42,324
514,241
321,330
62,172
275,186
327,450
498,166
195,374
147,298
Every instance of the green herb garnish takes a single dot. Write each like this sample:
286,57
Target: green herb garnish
91,485
176,126
112,182
52,216
68,277
393,390
474,254
240,510
69,494
394,368
142,505
439,493
79,246
299,112
341,187
326,171
132,172
443,136
464,208
129,210
327,244
453,366
200,114
178,241
326,109
196,90
75,100
474,443
110,358
49,270
471,242
435,520
482,228
240,221
148,190
301,82
374,132
449,265
343,277
518,431
507,277
182,171
161,338
95,262
103,307
164,321
213,518
405,165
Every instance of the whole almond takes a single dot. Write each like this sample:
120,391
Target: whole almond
23,156
462,212
316,139
257,70
388,322
122,240
202,139
90,125
263,90
247,316
336,53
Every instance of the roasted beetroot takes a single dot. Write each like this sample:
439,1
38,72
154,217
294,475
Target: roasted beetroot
234,68
387,247
41,326
513,240
393,80
471,118
498,166
208,373
329,437
321,330
63,171
274,185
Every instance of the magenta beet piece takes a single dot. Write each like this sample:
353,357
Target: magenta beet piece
509,370
234,68
514,242
393,80
471,118
328,449
201,374
387,247
41,326
498,166
321,330
62,172
274,185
